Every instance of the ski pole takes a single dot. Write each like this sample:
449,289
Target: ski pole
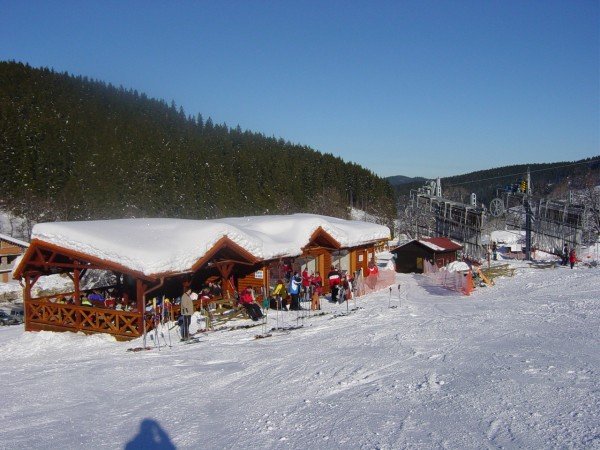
390,300
154,319
399,295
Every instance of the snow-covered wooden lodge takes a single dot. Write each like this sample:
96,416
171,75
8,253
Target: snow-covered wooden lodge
157,257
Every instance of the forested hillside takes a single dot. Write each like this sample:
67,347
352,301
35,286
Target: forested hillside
73,148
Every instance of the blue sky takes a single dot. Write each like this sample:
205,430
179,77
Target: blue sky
417,88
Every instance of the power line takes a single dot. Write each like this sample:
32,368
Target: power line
520,173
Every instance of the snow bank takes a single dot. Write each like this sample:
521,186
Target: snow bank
457,266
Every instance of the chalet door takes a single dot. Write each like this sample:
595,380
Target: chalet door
420,264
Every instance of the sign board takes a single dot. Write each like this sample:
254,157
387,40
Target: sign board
259,274
360,257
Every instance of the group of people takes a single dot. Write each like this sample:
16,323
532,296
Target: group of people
106,299
304,285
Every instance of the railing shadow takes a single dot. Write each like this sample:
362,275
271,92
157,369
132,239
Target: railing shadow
150,437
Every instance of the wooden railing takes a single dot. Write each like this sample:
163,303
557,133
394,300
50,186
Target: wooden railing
44,315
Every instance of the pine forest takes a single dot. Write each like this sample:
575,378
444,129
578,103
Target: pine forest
73,148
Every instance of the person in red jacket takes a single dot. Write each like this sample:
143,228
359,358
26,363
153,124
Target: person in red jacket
334,277
316,283
247,301
373,269
372,274
305,284
572,257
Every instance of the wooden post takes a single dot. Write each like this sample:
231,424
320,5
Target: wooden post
266,283
27,289
77,293
26,300
225,270
140,288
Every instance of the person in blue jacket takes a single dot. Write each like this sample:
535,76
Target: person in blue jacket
294,290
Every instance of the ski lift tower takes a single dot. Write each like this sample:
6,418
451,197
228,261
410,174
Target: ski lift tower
454,220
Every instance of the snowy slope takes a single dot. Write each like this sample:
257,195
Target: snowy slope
515,365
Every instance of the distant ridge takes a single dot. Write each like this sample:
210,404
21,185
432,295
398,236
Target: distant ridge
397,180
547,179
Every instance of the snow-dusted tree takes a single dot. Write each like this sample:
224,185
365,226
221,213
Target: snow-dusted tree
590,196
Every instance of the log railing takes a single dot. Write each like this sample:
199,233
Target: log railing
44,315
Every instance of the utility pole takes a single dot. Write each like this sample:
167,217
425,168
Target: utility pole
528,217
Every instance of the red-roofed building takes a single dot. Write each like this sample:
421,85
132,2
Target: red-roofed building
409,257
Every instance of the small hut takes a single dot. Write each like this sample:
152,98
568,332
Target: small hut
410,256
10,250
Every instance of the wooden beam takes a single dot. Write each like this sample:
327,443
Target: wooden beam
225,243
140,287
225,268
91,262
214,262
77,295
27,290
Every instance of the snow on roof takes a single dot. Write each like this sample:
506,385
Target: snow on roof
153,246
440,244
12,240
437,244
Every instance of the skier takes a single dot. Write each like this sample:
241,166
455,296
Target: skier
334,278
305,284
294,290
287,270
187,309
565,255
372,274
572,257
316,283
280,294
373,269
345,292
247,301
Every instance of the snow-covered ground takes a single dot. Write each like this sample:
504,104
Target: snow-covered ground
515,365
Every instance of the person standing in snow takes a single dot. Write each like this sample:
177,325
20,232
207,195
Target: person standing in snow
294,290
572,257
187,309
373,269
565,255
334,277
305,284
280,294
494,251
316,283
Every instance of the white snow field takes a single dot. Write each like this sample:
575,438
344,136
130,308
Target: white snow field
511,366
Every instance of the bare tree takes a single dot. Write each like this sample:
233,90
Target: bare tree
590,197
